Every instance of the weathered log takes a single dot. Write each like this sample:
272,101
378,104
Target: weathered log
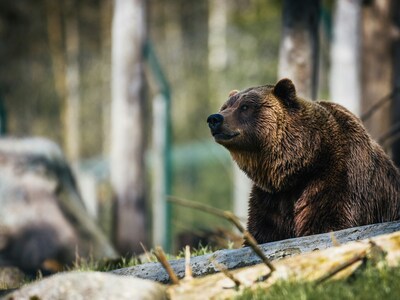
333,263
236,258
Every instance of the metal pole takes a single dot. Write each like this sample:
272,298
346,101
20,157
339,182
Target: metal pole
160,222
162,149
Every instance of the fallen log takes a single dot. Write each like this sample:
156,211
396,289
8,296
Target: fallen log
333,263
318,266
236,258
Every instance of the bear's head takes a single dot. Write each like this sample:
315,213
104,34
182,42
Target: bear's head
261,129
251,116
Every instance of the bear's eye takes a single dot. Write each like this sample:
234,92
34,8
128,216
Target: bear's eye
244,107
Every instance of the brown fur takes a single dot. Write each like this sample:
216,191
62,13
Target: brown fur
315,168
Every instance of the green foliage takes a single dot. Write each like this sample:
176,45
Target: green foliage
254,42
370,283
203,177
179,31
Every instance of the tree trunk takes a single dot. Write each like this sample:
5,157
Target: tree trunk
345,78
217,43
105,26
396,82
72,105
299,50
55,40
217,62
377,65
127,132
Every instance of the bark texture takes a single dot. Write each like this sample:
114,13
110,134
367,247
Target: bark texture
236,258
299,50
127,132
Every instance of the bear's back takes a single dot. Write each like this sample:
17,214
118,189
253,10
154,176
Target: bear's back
370,172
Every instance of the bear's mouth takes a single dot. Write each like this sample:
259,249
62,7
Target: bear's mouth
221,136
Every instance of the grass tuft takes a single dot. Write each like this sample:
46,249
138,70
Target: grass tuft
90,264
369,283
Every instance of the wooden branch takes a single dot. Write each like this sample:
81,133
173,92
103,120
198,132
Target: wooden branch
188,268
378,104
228,274
159,253
231,218
347,263
235,258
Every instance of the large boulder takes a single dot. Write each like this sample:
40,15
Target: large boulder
90,285
43,221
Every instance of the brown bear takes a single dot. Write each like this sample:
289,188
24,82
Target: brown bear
314,167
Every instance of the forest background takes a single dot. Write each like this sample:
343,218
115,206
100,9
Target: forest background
56,81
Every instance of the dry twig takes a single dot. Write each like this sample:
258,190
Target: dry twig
231,218
377,105
159,253
223,269
357,257
188,268
335,242
148,255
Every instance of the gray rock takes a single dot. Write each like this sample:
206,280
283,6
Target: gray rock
43,221
11,278
90,285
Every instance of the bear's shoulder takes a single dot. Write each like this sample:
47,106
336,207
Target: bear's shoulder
340,113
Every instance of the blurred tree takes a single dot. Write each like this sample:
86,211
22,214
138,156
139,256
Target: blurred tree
345,81
217,62
395,120
217,35
56,45
129,34
377,64
105,25
72,104
299,50
28,89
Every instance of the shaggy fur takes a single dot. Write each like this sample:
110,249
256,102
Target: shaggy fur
314,167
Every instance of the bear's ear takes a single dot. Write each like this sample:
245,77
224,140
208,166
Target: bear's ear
233,92
286,92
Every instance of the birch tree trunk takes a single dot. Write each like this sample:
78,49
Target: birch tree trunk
345,81
299,50
127,130
217,43
217,62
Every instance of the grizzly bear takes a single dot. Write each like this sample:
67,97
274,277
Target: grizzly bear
314,167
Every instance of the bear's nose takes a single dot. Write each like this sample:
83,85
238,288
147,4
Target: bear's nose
214,121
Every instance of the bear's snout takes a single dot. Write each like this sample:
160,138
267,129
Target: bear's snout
215,121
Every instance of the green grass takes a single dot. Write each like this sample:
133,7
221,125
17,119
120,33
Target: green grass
90,264
201,250
368,283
